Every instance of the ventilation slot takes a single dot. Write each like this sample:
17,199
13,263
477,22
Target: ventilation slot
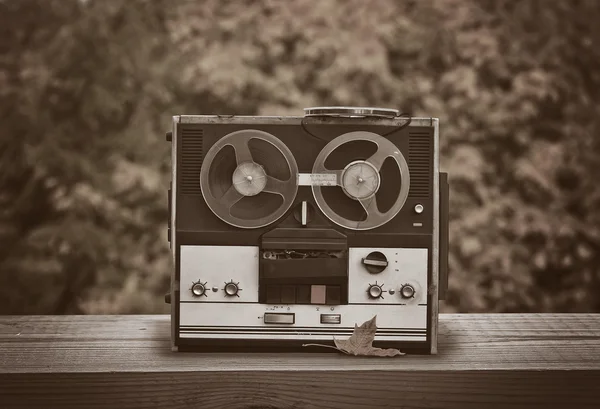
420,156
191,161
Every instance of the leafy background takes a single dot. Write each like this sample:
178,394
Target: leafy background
87,89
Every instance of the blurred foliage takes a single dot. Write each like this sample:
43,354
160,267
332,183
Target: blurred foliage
87,89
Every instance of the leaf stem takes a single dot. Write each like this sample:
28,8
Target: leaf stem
321,345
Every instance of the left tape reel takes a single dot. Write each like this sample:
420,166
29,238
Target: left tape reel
248,179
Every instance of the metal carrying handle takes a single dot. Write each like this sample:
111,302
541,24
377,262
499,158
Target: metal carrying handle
352,112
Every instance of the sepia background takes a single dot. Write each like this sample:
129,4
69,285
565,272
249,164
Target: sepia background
88,88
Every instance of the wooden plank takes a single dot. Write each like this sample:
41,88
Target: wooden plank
515,360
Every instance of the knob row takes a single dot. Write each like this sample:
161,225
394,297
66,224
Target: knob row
231,289
376,291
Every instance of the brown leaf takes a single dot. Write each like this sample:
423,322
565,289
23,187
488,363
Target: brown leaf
361,342
362,337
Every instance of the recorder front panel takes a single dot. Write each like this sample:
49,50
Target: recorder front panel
294,229
381,278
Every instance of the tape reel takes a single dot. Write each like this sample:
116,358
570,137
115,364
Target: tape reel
249,179
360,181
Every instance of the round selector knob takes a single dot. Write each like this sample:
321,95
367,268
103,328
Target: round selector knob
231,289
375,291
304,213
407,291
375,262
199,289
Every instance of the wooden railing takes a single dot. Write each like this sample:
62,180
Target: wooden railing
485,361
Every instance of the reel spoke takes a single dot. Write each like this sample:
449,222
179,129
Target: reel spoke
378,158
231,197
275,186
242,151
370,206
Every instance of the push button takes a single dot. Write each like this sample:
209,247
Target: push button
303,294
333,295
288,294
273,294
279,318
317,294
331,319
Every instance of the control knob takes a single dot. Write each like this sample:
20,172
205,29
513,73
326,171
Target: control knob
231,289
199,289
375,262
407,291
375,291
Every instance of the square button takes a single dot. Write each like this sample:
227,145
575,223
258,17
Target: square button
334,293
288,294
279,318
303,294
273,294
317,294
331,319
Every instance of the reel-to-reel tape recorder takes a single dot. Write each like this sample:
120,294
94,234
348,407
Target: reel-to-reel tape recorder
291,230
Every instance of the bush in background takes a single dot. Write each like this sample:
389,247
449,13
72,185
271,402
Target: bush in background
87,89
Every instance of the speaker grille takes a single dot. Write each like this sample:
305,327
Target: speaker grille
192,154
420,159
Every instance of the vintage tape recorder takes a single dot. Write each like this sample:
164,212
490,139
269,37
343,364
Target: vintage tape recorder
291,230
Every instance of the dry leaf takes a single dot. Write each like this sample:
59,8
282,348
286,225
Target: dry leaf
361,342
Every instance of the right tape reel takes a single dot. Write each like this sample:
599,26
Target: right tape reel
353,203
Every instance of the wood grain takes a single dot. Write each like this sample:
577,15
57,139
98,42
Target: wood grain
486,361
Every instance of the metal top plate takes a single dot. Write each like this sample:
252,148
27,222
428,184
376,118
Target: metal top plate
351,112
297,120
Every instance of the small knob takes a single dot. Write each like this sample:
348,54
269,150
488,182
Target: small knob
375,291
407,291
199,289
375,262
231,289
